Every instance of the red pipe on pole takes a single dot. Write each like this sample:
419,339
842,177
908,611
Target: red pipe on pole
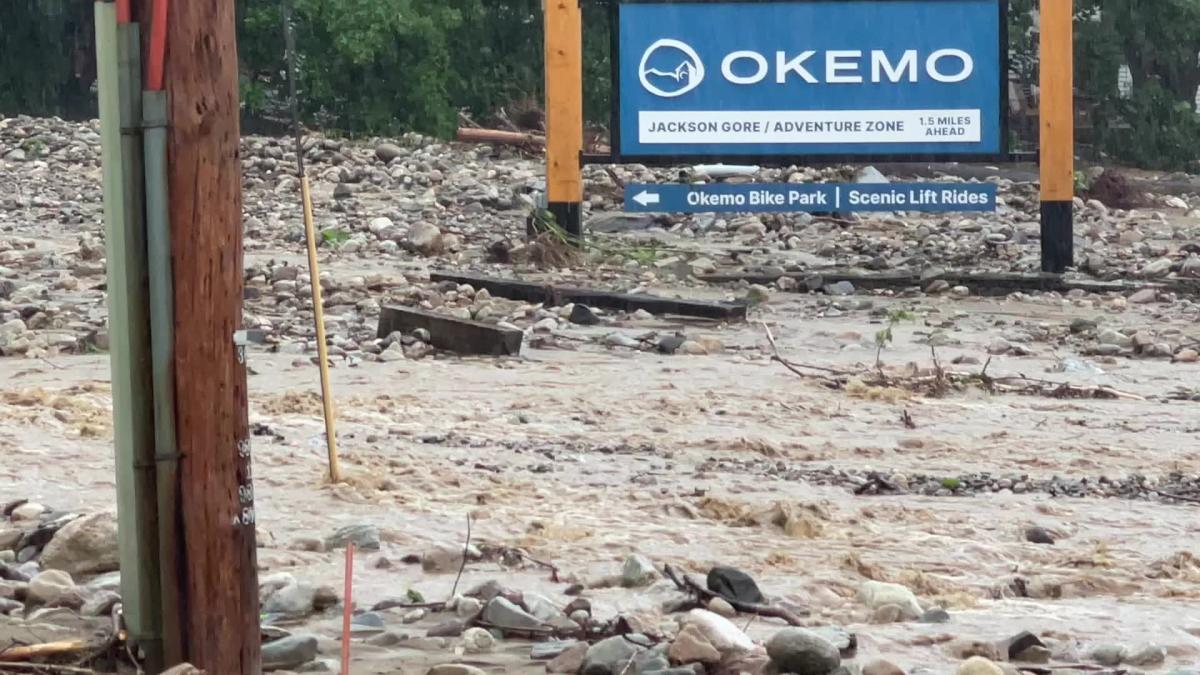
158,46
124,14
348,608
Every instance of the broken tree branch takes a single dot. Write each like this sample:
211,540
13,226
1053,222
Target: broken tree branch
942,380
506,552
690,587
794,367
47,649
463,566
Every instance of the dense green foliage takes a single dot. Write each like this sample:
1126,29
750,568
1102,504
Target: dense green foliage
388,65
1156,125
375,66
46,57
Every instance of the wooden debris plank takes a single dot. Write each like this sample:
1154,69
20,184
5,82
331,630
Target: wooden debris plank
559,295
462,336
980,283
631,302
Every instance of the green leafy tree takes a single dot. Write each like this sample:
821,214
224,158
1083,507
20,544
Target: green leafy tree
46,58
364,65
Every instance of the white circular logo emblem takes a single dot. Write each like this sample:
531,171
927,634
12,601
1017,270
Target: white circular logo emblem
676,68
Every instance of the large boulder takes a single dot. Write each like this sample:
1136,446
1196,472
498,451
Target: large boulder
86,545
49,586
719,631
734,584
803,652
690,646
876,594
289,652
610,656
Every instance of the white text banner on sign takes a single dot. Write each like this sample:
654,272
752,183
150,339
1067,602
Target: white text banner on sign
780,126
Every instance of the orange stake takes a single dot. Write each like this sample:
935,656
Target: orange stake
158,46
348,609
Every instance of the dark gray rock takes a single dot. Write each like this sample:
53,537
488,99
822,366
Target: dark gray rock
13,573
1108,655
1147,656
845,641
291,600
1083,326
1022,641
455,669
651,660
544,651
386,152
610,656
542,609
289,653
486,590
935,615
638,570
669,344
583,315
734,584
100,604
1039,535
364,536
505,615
620,222
839,288
388,638
1033,654
450,628
367,622
802,652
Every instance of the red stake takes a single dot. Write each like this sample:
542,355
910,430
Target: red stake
348,609
124,14
158,46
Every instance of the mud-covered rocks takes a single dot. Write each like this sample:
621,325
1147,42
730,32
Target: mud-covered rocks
86,545
803,652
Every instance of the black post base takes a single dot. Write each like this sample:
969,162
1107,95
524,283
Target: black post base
569,216
1058,236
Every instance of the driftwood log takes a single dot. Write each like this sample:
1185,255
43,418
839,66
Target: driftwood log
690,587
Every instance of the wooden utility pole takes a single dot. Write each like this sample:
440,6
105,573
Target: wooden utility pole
1056,110
564,113
219,594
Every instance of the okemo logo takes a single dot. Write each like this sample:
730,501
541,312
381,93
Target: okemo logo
672,68
686,75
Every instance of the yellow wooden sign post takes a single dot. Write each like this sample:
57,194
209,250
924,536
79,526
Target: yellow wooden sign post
1056,111
564,113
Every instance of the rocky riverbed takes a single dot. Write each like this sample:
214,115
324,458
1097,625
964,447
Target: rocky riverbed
1036,510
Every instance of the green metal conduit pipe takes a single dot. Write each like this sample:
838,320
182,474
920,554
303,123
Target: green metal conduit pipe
162,336
118,51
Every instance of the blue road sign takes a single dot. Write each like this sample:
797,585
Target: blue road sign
793,78
812,198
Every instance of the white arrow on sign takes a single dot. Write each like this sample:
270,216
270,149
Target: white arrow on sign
646,198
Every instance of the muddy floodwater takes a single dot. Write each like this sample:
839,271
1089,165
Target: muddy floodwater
928,435
582,456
